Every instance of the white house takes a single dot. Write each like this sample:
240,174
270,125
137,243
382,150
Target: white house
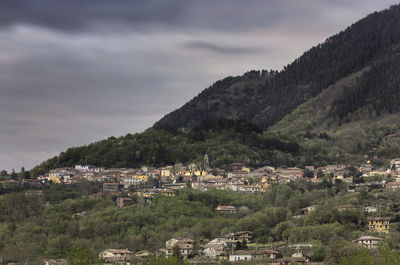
371,209
369,242
226,209
240,255
218,247
112,253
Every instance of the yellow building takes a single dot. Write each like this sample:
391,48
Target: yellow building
379,224
143,178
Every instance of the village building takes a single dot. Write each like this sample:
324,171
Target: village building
131,181
143,253
116,256
395,164
34,183
369,242
240,255
242,236
186,246
55,262
307,210
110,187
253,255
226,209
29,193
379,224
370,209
392,186
122,202
167,192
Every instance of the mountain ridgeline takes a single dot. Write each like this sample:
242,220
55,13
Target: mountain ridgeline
265,97
338,102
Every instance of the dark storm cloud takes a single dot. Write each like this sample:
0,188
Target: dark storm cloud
78,15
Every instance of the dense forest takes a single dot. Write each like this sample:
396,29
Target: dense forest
264,97
34,227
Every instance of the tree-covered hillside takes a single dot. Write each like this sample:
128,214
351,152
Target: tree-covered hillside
225,141
31,230
359,114
263,98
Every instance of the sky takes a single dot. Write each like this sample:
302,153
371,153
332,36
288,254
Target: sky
74,72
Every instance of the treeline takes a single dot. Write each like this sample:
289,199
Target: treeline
225,141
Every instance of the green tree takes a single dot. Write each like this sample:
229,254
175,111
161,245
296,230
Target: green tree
81,256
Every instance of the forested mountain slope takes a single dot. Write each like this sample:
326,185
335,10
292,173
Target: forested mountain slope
263,98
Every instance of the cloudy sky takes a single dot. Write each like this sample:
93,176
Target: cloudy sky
74,72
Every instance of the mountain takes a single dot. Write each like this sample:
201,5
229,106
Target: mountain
265,97
338,102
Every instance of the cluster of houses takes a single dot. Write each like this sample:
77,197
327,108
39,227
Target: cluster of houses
145,182
236,178
231,247
221,249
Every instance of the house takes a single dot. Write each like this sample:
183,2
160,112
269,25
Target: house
143,253
395,164
33,193
59,174
226,209
264,254
122,202
289,172
32,182
270,179
393,185
186,246
218,247
237,166
214,253
131,181
167,192
370,209
347,207
379,224
77,216
240,255
239,236
116,256
55,262
307,209
166,172
369,242
10,183
110,187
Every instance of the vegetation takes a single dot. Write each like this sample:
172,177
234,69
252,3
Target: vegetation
225,141
30,230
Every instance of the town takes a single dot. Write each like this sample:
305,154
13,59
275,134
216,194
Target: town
128,187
